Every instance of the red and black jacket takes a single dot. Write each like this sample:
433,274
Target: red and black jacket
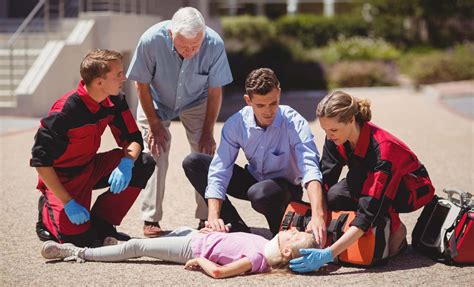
385,171
69,137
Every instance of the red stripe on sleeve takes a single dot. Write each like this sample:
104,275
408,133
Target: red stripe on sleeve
129,121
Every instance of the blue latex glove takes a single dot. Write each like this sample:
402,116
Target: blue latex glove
121,176
76,213
312,260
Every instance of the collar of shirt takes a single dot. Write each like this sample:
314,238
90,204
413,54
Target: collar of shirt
252,123
169,43
91,104
363,142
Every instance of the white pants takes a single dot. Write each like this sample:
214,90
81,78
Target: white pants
173,247
152,194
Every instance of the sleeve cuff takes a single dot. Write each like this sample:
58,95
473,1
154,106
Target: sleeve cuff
361,222
34,162
310,176
213,192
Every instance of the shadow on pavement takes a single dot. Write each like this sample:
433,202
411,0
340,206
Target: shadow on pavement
405,261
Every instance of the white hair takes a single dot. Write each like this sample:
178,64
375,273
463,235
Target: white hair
188,22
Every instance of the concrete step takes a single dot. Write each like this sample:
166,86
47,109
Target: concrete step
8,104
5,53
6,85
7,82
17,73
18,63
5,94
7,100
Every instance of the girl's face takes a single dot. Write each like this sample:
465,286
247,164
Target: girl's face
336,131
289,238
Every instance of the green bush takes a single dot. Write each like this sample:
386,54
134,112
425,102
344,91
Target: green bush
359,48
440,66
361,74
314,31
247,34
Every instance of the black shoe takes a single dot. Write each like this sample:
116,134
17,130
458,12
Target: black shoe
105,229
41,231
201,224
239,226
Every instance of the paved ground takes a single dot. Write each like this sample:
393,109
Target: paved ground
443,140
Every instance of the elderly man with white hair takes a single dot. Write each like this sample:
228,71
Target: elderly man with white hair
179,67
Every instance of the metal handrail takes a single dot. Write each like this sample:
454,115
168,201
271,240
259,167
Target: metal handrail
25,23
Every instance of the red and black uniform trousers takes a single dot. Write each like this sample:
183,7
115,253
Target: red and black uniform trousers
68,140
384,178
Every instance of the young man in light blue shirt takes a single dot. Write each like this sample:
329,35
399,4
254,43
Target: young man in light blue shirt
179,67
282,156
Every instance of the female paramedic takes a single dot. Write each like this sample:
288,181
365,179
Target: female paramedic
384,176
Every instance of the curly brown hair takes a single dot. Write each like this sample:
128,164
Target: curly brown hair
261,82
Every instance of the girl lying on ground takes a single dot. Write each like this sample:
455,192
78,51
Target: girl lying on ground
218,254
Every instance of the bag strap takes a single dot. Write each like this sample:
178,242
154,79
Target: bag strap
452,251
336,226
286,223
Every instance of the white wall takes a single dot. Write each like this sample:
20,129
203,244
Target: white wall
56,71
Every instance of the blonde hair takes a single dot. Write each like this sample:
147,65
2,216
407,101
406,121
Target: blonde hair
279,261
343,107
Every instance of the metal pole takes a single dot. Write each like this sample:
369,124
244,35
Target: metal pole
46,18
61,9
122,6
11,71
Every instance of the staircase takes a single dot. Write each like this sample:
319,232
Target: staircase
19,50
21,43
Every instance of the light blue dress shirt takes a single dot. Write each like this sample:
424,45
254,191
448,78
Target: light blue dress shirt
177,85
285,149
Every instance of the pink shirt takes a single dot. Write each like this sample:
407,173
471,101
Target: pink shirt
224,248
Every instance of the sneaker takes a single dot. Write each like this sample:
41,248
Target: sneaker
151,229
66,251
110,241
201,224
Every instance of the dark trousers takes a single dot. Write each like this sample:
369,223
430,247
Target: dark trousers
268,197
340,199
109,209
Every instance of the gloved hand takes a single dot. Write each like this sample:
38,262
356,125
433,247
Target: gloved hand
76,213
312,260
121,176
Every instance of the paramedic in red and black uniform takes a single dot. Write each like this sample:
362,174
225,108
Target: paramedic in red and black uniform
384,176
69,167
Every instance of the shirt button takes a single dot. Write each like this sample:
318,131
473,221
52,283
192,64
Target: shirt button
180,84
182,71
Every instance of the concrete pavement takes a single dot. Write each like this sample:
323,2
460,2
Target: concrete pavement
443,141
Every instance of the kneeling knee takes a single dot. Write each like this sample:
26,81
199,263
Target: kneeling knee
196,161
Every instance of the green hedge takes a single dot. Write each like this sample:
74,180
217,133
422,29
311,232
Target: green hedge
440,66
359,48
247,34
362,74
314,31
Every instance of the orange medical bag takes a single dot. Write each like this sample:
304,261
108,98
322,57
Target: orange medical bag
369,250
